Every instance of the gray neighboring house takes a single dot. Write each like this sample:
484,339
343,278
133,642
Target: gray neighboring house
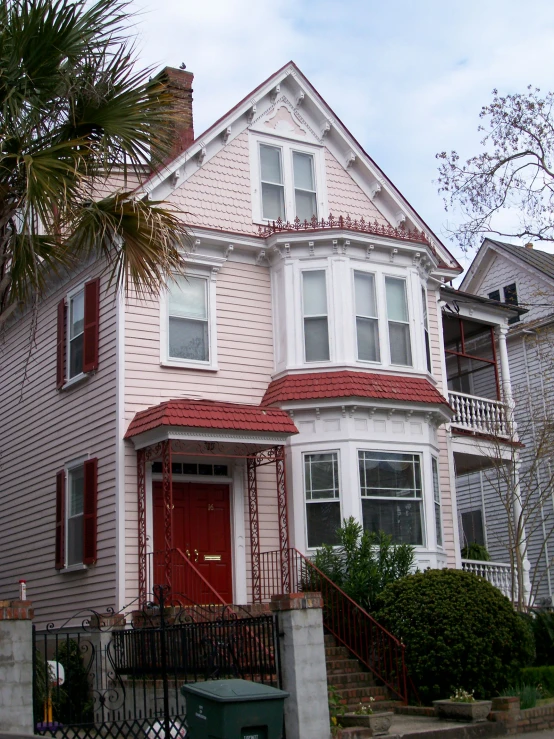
524,276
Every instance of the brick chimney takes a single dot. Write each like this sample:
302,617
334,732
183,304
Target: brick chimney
179,85
528,245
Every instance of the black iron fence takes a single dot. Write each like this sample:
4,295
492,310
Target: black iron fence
110,678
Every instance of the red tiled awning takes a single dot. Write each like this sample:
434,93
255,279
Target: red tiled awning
209,414
347,384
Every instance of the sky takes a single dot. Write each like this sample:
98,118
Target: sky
407,77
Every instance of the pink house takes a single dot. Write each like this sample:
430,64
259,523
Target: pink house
299,374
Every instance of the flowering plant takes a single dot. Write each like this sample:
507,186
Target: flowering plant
462,696
365,709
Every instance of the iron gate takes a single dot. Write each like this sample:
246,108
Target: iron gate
123,680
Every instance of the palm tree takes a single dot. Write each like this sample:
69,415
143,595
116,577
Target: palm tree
74,114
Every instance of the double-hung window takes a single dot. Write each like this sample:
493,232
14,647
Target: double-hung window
367,324
273,189
426,330
188,319
305,197
78,333
437,499
398,321
322,491
76,513
316,323
391,492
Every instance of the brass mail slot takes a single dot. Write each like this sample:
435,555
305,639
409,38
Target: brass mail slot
212,558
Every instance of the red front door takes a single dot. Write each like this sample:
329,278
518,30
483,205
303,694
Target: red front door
201,530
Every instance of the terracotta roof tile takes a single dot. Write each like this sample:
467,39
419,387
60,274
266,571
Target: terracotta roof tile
213,415
346,384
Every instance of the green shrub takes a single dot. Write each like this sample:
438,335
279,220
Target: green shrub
540,676
364,563
543,629
476,551
528,694
458,630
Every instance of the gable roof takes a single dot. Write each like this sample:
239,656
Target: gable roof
349,384
332,126
209,414
538,260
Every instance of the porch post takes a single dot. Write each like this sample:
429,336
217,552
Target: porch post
141,507
167,487
254,528
281,479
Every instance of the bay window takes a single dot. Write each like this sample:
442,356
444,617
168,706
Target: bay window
398,321
322,494
188,319
367,325
391,492
316,324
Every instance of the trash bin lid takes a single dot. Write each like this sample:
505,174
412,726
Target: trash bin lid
233,691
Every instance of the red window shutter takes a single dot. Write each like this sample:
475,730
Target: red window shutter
92,319
60,520
60,347
89,508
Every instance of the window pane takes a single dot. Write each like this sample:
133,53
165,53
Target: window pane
270,159
303,170
472,527
368,339
315,293
306,205
510,294
436,489
323,520
316,339
273,202
77,314
399,339
76,356
76,491
188,339
321,476
364,287
397,308
187,297
389,474
438,524
75,540
398,518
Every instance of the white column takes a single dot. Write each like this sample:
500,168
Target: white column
512,430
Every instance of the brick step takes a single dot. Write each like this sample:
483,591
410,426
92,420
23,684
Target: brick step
337,652
381,707
342,665
360,679
329,640
351,695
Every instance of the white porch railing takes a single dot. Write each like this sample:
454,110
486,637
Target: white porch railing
482,415
497,573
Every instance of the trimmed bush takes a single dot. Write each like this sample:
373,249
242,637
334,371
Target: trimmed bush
543,676
543,629
459,631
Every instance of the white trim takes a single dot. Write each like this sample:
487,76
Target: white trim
76,380
313,452
74,464
120,557
68,298
238,533
204,272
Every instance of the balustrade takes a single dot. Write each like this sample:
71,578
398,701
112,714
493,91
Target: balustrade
481,415
497,573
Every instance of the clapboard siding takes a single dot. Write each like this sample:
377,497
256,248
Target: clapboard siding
42,430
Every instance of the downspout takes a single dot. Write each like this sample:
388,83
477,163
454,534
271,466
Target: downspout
523,563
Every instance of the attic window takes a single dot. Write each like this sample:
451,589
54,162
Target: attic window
495,295
510,297
273,189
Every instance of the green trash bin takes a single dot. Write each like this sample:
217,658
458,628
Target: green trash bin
234,709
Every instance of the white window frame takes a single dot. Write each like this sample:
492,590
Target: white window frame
167,361
422,500
428,357
311,453
330,326
68,468
68,298
287,148
437,502
410,309
377,279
